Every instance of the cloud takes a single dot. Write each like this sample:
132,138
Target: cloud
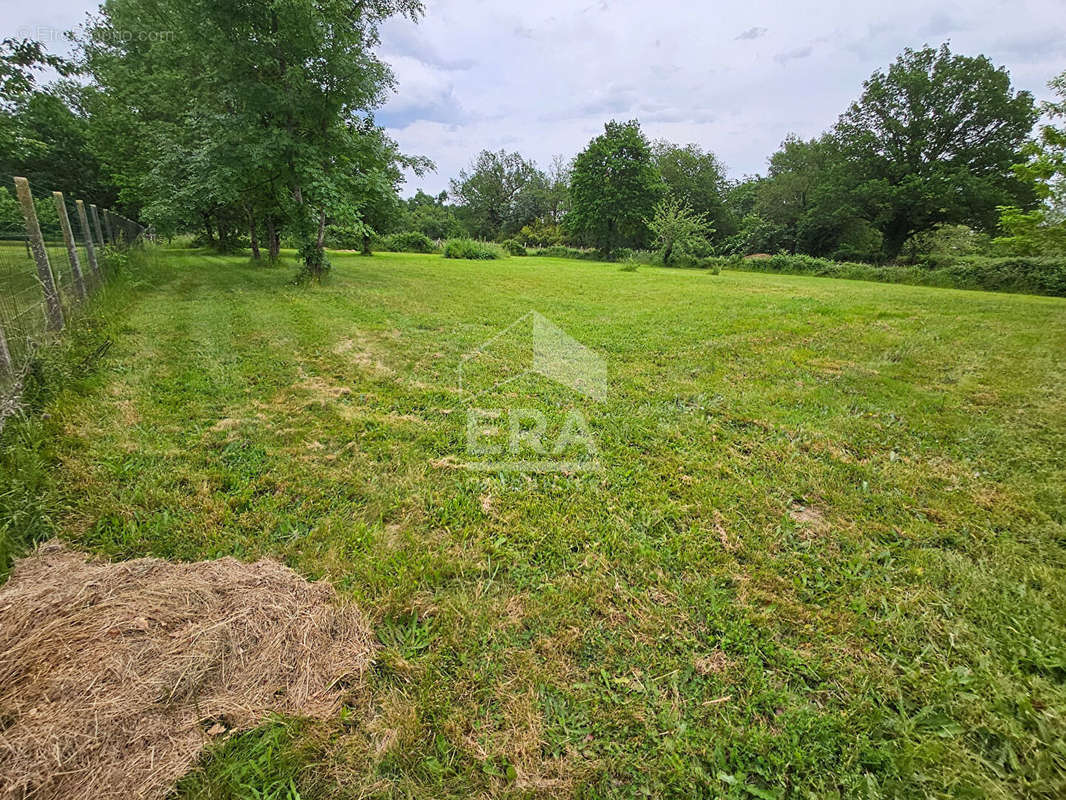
794,55
753,33
543,78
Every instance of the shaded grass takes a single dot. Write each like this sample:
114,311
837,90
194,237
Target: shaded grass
826,555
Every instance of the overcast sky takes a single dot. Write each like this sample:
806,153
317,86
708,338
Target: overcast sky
542,77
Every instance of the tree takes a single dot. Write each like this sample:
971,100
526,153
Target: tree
932,141
53,151
614,188
243,105
1041,231
789,194
498,194
432,216
677,229
696,177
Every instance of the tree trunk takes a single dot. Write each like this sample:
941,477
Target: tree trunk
366,244
667,253
894,237
254,235
273,241
223,232
210,230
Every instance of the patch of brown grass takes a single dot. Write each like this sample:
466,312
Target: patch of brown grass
114,676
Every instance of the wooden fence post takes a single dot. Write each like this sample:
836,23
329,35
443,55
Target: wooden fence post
72,246
7,366
96,224
53,307
86,232
107,226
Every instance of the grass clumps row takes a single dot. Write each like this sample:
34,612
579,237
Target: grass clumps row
472,250
1020,274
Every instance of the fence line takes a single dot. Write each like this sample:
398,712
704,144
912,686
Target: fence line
48,269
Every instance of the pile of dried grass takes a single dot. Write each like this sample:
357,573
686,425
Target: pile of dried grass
114,676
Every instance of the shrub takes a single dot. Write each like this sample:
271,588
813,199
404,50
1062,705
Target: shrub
1020,274
559,251
408,242
541,234
471,249
514,247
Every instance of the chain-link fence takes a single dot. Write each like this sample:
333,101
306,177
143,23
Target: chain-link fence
54,253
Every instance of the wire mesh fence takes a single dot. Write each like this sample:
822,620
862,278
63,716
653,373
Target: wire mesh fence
55,253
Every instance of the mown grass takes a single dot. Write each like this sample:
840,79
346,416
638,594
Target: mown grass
825,556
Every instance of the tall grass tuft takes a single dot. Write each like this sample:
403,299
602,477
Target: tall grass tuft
471,249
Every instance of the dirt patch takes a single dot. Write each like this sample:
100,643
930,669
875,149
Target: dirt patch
715,663
808,515
113,677
363,356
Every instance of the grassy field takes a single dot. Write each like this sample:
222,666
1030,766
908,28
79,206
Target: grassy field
825,555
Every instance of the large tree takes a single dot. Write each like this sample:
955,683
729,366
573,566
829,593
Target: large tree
499,193
243,105
806,197
698,179
614,188
932,141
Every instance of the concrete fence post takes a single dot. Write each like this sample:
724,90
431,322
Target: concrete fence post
53,307
86,232
72,246
95,213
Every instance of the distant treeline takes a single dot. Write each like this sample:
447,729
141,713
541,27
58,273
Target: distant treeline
253,127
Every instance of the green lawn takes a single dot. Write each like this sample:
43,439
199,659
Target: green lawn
825,556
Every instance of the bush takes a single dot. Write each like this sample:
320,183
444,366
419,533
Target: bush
559,251
408,242
514,247
1027,275
470,249
541,234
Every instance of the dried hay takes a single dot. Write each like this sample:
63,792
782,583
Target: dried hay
114,676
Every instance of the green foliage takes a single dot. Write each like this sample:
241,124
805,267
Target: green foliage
946,242
432,217
499,194
53,149
258,109
804,203
561,251
541,234
698,179
472,249
1046,276
932,141
678,230
614,188
755,235
514,247
1029,233
408,242
1041,231
263,764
